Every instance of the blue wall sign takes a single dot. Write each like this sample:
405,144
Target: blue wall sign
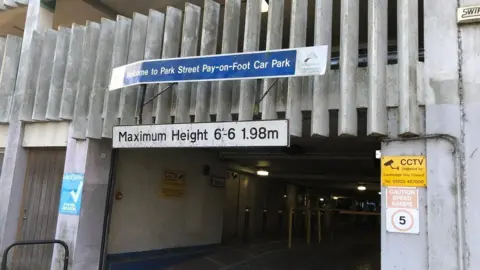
307,61
71,196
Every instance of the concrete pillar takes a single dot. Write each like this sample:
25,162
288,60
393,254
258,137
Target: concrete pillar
83,231
15,160
398,246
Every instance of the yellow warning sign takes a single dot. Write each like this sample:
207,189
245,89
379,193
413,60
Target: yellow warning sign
173,184
404,171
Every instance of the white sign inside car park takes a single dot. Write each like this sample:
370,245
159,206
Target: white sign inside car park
202,135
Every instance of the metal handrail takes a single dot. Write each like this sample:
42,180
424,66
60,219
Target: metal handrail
36,242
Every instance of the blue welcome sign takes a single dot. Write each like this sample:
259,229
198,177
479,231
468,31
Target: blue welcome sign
306,61
71,195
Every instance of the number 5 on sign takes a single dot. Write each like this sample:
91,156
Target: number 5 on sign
402,220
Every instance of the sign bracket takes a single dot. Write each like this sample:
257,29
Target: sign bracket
144,92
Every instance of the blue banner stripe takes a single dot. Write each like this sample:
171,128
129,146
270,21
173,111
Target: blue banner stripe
264,64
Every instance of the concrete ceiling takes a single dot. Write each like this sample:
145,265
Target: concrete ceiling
335,163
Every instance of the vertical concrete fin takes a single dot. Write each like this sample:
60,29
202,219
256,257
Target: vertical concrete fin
153,50
119,58
171,48
10,3
21,2
349,36
321,84
3,42
251,40
74,63
231,25
128,97
101,79
407,29
8,75
274,41
58,73
298,37
377,67
191,29
44,76
32,72
211,19
85,82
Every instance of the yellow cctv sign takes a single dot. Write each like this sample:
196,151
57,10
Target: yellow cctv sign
404,171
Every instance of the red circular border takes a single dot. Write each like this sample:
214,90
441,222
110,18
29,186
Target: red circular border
393,222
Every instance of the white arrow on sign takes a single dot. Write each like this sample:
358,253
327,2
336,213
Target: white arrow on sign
76,195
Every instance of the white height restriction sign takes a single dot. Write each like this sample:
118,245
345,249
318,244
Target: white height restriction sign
203,135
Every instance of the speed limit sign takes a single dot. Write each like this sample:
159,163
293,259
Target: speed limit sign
403,220
402,215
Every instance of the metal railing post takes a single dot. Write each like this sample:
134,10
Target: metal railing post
36,242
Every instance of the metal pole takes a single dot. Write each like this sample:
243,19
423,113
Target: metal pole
142,101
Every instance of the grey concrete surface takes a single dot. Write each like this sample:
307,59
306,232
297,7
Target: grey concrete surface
359,249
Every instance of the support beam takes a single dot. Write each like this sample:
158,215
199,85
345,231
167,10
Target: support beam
153,50
8,76
72,76
298,38
129,96
276,10
58,73
251,42
231,24
377,67
347,115
44,76
211,18
171,47
101,78
85,82
321,85
38,41
407,29
119,58
190,36
83,232
15,158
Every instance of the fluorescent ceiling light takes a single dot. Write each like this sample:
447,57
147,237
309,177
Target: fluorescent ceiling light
335,198
321,199
262,173
264,6
362,188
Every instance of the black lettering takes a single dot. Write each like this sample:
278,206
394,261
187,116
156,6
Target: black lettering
122,135
470,12
175,135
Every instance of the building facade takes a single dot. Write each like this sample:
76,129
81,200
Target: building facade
57,115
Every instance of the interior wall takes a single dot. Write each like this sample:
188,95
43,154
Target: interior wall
258,195
143,220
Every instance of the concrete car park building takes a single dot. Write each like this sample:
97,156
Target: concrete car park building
401,81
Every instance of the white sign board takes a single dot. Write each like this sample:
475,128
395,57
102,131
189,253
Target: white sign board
402,215
469,14
202,135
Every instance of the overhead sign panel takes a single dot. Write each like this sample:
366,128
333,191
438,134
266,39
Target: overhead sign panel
199,135
306,61
405,171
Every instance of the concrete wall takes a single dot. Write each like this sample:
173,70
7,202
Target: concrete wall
3,135
46,134
144,221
